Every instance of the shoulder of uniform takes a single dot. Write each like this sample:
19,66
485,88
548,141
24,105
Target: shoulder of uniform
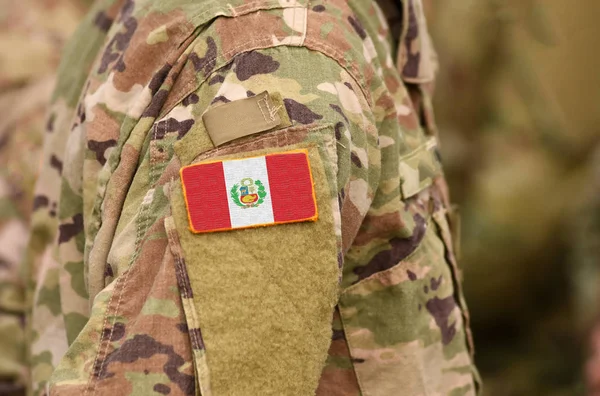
330,29
179,45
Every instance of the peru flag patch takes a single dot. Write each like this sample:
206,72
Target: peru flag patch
249,192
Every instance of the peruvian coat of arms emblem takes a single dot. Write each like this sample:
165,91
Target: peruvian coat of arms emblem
248,193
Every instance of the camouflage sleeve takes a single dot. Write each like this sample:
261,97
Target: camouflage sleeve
293,270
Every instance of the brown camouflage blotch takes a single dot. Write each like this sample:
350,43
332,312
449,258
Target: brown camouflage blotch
162,389
99,148
338,129
205,63
218,79
357,26
192,98
142,60
102,126
336,35
170,172
141,348
351,224
441,309
157,103
112,56
340,112
265,29
171,125
355,160
103,21
114,9
413,58
400,248
56,163
378,226
436,283
392,84
66,231
338,382
409,120
115,333
159,78
300,112
387,102
182,80
252,63
40,201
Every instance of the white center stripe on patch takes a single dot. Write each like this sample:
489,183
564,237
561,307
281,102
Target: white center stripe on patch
246,172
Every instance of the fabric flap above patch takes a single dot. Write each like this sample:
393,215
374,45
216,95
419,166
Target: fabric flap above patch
250,192
244,117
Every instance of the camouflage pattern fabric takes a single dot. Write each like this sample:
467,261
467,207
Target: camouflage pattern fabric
519,131
32,34
119,303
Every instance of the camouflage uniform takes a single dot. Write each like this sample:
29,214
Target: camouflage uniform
127,300
31,36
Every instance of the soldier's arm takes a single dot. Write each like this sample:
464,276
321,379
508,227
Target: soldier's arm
265,273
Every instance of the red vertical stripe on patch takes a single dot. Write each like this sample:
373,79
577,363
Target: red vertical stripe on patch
291,187
206,196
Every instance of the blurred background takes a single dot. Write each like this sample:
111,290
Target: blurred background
518,107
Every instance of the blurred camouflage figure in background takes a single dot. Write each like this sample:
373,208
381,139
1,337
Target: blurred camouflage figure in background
32,33
519,124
